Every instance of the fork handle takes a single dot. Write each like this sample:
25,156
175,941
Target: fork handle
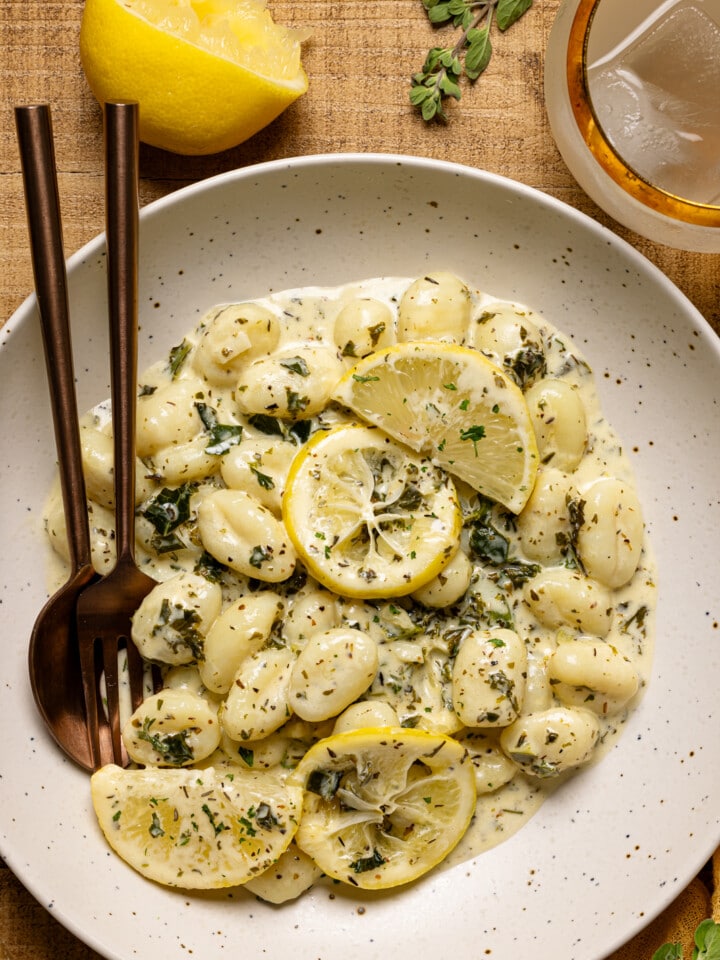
37,154
121,213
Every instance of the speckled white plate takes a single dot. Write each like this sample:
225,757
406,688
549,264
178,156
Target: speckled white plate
619,841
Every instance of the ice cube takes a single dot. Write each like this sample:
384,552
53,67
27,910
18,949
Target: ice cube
657,99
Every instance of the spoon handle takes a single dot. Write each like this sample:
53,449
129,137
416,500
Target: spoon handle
37,155
121,217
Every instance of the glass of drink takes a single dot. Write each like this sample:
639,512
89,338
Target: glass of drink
632,90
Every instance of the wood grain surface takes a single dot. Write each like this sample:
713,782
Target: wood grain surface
359,60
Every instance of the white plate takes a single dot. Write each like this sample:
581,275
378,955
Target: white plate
619,841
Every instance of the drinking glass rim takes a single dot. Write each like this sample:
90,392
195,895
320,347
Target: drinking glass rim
637,186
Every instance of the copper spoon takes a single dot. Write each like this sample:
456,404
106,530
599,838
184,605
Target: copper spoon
54,661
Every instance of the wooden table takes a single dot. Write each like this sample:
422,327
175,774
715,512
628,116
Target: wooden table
359,59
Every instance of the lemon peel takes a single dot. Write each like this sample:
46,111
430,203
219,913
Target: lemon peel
383,806
453,405
368,517
195,829
207,74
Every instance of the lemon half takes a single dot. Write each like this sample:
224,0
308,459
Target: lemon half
453,405
207,74
196,829
368,517
384,805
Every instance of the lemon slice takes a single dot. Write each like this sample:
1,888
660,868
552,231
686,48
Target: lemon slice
456,407
367,516
207,74
197,829
384,805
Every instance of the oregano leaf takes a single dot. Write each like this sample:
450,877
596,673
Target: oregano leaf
479,52
508,11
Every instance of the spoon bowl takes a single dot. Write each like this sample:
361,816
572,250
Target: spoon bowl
54,665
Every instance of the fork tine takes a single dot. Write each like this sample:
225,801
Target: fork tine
109,647
88,670
136,674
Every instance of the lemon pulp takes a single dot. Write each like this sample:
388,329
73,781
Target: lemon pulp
453,405
368,517
207,74
384,805
196,829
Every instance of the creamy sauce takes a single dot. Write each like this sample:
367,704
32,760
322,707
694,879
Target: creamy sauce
417,685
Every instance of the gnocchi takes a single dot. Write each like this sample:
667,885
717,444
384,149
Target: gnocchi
530,646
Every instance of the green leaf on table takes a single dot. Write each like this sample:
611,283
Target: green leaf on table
508,11
478,53
707,941
468,57
707,944
668,951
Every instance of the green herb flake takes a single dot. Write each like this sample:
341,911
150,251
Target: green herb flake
178,356
296,365
155,829
169,508
222,436
363,864
172,747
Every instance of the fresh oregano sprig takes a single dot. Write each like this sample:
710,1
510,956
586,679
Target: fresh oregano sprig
444,67
707,945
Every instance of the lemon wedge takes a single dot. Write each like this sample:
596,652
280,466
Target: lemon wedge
453,405
367,516
384,805
207,74
196,829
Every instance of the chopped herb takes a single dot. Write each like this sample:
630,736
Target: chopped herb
474,433
361,379
376,332
172,747
270,426
295,402
324,783
296,365
526,365
258,556
169,508
368,863
222,435
209,567
265,818
217,827
265,481
499,680
155,829
178,356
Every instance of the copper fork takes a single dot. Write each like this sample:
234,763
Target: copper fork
105,608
